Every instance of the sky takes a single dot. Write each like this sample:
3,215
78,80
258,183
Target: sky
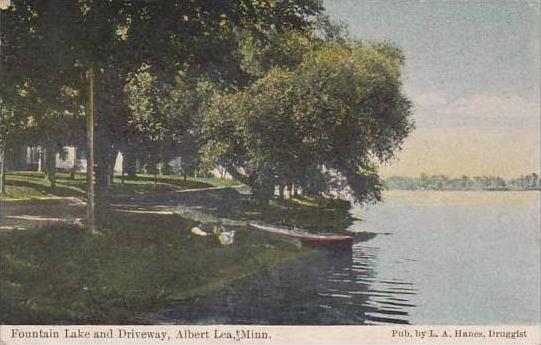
473,73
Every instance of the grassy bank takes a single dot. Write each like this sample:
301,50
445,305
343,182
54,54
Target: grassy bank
316,215
142,263
31,184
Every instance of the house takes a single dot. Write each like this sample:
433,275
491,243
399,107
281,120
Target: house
70,159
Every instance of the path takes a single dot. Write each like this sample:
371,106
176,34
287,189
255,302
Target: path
35,213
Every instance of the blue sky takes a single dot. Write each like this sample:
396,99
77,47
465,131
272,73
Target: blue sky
473,72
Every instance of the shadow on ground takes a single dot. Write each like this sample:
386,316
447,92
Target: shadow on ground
62,274
318,215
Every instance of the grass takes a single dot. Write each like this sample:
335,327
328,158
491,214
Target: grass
196,182
31,184
317,215
142,263
23,192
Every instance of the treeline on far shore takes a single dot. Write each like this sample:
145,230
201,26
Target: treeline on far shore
443,182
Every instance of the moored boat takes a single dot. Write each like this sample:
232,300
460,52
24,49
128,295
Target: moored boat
312,240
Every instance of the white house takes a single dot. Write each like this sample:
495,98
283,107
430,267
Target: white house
71,158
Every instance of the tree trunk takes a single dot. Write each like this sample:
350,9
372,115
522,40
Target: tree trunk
50,162
263,193
40,159
129,163
114,155
109,111
222,171
185,173
103,161
102,198
248,180
263,187
74,167
122,171
155,176
16,157
2,173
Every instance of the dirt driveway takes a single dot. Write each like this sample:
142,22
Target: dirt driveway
36,213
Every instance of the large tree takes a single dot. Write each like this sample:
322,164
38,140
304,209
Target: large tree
54,42
338,114
44,101
167,117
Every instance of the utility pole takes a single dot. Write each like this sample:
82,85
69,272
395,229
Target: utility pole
90,206
4,4
2,172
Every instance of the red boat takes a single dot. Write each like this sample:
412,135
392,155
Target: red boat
312,240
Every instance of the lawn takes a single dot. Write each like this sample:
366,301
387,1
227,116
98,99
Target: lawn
318,215
32,184
142,263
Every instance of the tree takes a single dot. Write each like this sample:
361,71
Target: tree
167,117
7,129
56,41
43,99
341,110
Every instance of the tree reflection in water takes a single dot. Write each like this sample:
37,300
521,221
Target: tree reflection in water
329,288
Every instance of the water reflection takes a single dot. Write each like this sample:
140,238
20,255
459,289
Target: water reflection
387,300
323,288
437,258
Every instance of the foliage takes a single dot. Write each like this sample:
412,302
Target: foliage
167,117
338,113
295,102
49,45
531,181
443,182
284,49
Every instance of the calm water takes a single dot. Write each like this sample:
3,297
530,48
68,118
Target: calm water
437,258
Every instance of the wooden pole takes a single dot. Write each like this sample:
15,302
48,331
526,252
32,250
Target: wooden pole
2,171
90,209
3,140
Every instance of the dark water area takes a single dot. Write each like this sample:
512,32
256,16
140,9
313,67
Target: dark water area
323,288
437,258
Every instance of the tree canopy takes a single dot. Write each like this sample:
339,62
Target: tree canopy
337,114
270,90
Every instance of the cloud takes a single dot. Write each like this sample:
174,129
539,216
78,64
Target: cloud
431,100
480,110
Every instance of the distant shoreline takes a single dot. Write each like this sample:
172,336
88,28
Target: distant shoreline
463,190
464,183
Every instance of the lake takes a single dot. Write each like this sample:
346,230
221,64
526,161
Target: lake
450,257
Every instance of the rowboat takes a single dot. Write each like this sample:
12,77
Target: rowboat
311,240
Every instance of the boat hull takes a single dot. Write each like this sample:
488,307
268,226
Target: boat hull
310,240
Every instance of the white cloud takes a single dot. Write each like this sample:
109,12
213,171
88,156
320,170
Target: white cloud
431,100
477,110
